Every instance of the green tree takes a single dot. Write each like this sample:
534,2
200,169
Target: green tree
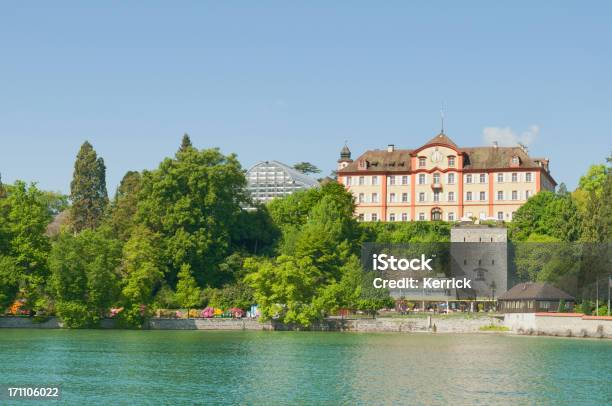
84,276
193,202
185,143
306,168
123,207
143,273
24,247
9,281
594,179
255,232
187,290
299,286
88,189
356,290
596,223
292,211
547,213
287,289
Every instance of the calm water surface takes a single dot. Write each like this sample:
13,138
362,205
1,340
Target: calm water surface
195,367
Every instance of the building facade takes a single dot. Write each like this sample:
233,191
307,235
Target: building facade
441,181
270,179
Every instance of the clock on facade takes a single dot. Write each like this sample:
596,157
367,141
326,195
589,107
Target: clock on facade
436,156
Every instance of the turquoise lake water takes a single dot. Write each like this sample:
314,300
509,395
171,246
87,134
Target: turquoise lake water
196,367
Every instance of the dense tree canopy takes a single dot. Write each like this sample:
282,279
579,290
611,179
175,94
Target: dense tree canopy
24,247
193,201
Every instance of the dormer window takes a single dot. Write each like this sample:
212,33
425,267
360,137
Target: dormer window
363,164
422,162
515,161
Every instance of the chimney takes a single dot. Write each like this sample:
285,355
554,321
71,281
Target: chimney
390,148
495,144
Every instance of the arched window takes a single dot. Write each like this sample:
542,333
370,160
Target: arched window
436,214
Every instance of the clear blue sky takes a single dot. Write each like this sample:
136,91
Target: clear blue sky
288,81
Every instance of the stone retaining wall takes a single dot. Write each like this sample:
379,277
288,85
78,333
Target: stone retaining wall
207,324
26,322
404,325
559,324
401,325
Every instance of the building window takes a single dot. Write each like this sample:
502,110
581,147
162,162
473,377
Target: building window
500,195
528,177
468,214
482,196
451,161
451,178
404,216
500,215
436,178
392,180
451,196
480,275
404,180
362,180
375,180
374,217
421,197
392,217
348,181
483,178
468,196
527,194
392,198
404,197
361,217
421,216
421,179
451,216
514,195
500,178
361,198
468,179
515,160
436,196
514,177
374,197
422,162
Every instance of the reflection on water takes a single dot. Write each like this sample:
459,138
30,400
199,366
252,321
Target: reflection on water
186,367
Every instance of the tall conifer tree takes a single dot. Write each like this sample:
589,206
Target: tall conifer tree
185,143
88,189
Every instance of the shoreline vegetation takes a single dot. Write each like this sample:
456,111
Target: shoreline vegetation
178,236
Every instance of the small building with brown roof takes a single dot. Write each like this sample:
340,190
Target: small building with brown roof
533,297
